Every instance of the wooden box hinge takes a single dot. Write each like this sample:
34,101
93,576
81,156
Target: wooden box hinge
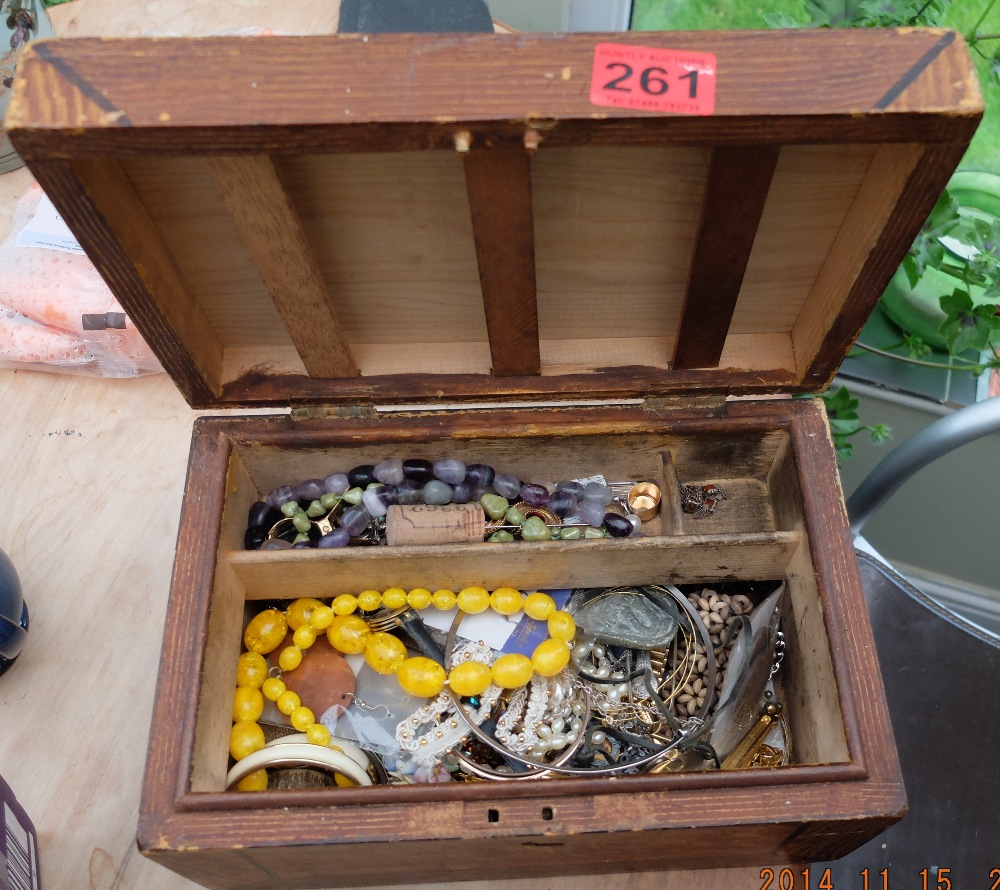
710,402
333,412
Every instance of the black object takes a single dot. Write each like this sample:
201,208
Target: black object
388,16
362,476
940,682
13,614
899,465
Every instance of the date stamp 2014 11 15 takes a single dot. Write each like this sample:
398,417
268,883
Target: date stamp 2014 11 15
934,878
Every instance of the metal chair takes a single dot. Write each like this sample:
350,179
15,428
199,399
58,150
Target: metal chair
941,678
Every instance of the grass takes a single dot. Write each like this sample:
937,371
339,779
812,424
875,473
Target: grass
696,15
962,15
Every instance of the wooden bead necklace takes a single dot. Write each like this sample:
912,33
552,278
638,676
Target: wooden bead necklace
350,634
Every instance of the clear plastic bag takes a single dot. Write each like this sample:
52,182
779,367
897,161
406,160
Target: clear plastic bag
56,312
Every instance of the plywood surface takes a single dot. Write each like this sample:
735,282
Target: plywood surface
93,479
93,475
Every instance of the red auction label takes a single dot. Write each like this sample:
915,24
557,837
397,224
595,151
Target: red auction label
650,79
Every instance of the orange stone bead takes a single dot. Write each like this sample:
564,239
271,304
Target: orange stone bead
421,677
244,738
265,631
348,634
299,612
384,653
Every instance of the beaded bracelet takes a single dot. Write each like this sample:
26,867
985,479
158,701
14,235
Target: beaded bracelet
346,508
350,634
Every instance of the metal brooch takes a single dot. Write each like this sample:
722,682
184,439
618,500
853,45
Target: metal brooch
701,500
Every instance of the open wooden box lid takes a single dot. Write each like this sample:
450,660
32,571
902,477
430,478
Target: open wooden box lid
439,217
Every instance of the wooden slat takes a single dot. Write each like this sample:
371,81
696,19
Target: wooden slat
739,178
400,92
499,187
675,559
108,219
607,383
896,196
274,237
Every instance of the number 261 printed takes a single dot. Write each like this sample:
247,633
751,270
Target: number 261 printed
652,79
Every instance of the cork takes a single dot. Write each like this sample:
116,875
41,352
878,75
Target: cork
424,524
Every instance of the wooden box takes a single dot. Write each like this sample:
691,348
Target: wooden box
342,223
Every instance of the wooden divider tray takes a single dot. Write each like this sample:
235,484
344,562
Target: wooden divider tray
345,224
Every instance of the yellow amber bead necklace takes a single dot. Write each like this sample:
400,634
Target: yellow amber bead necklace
386,654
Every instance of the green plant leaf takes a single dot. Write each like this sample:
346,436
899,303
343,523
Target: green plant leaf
994,68
782,20
915,347
986,262
834,13
841,403
880,433
944,217
842,427
889,13
967,326
929,14
874,13
927,249
927,252
842,415
991,294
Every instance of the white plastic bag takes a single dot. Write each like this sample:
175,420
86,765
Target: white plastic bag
56,312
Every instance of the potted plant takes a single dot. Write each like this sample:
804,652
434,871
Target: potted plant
946,294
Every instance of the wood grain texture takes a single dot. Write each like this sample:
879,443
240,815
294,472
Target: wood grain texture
168,766
650,822
697,557
768,88
897,224
111,224
276,240
84,448
62,433
499,187
831,557
612,200
739,179
626,382
812,191
517,863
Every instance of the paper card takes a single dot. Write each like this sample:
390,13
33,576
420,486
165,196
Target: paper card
650,79
47,229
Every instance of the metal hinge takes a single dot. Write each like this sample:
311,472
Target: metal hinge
333,412
704,402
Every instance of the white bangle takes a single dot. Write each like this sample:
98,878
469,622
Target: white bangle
297,754
336,743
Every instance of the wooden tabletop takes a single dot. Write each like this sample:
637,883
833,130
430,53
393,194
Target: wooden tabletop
92,479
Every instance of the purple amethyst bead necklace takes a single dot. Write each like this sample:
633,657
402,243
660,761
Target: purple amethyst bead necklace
349,508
